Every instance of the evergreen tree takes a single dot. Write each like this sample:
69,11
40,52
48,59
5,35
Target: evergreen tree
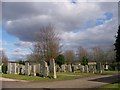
60,60
117,46
84,61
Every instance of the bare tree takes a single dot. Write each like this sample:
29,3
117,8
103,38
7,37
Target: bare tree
69,56
82,52
99,54
3,57
110,54
47,44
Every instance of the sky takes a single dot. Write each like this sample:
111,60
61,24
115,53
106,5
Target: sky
86,24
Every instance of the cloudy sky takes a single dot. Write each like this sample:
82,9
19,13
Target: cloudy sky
86,24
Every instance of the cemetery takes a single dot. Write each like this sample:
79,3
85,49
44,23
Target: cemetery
52,71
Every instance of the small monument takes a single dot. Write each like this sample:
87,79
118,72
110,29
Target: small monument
52,69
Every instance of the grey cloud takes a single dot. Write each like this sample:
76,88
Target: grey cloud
22,44
102,36
23,20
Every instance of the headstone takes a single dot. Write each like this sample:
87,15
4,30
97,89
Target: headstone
58,69
73,68
38,68
63,68
1,68
94,69
27,69
69,68
22,69
52,69
33,70
86,68
91,69
99,68
17,68
44,69
13,65
106,67
9,68
30,67
82,68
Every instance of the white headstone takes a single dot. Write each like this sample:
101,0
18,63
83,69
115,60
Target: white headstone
69,68
86,69
106,67
22,69
52,69
17,68
13,71
9,68
44,69
33,70
1,68
27,69
82,68
63,68
38,68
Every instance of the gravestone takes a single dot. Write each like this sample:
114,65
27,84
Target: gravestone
38,68
13,68
58,69
94,68
63,68
73,68
69,68
1,68
27,69
91,69
99,68
33,70
9,68
106,67
82,68
30,67
86,68
44,69
22,69
17,68
52,69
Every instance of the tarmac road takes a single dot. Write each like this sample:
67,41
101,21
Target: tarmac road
88,82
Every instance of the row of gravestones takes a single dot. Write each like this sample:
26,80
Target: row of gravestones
87,68
43,69
34,69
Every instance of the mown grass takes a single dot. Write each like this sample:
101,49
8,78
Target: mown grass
23,77
113,86
38,78
109,72
60,76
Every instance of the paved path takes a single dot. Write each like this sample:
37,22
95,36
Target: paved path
7,79
88,82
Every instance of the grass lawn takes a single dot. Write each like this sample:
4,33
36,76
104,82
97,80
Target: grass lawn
109,72
113,86
37,78
60,76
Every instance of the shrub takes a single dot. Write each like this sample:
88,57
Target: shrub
4,68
